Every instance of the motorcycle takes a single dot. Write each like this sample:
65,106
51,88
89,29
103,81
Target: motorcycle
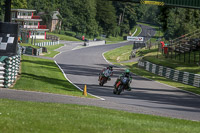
121,85
103,78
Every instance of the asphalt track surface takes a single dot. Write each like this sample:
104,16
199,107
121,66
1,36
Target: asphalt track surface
82,66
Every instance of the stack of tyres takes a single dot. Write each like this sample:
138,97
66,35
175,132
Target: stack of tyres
11,70
29,51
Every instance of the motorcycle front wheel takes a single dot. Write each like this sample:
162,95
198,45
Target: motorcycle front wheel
120,89
114,91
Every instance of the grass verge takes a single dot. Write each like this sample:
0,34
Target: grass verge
26,45
19,117
119,54
64,37
38,40
151,56
138,30
44,76
51,50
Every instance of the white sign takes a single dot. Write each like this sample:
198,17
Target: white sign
135,39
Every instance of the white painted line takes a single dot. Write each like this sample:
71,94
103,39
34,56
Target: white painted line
73,83
140,32
57,55
134,32
151,79
60,47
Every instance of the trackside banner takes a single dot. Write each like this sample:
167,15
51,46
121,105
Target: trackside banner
135,39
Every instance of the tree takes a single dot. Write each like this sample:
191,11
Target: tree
179,21
126,16
2,10
106,16
19,4
148,13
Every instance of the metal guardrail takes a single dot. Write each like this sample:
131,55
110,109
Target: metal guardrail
175,75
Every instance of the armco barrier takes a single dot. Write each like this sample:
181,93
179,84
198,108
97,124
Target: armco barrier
42,44
9,69
175,75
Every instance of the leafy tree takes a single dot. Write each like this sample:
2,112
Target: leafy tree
1,10
106,16
126,16
19,4
179,21
148,13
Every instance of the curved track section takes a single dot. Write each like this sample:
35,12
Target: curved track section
83,65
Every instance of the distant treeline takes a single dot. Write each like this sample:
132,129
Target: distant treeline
96,17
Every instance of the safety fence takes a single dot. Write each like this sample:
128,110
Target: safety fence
42,44
9,69
175,75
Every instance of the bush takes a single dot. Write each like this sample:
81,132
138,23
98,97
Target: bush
70,33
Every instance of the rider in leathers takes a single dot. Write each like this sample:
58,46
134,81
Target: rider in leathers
125,74
109,69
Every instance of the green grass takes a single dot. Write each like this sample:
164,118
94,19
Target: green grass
113,40
39,40
138,30
64,37
150,55
30,117
44,76
51,50
139,71
26,45
119,54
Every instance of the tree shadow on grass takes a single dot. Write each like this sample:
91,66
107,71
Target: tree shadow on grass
54,82
40,62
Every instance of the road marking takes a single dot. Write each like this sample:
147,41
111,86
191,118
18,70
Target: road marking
74,84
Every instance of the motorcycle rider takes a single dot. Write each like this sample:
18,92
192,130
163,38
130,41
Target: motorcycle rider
125,74
108,70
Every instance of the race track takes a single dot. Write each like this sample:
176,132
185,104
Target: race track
82,66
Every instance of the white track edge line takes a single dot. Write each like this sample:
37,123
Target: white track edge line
74,84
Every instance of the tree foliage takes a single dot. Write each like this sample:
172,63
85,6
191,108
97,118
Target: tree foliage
19,4
179,21
1,10
96,17
126,16
106,16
